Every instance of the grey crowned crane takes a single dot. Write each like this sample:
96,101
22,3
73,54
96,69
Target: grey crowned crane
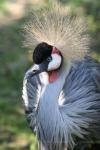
61,91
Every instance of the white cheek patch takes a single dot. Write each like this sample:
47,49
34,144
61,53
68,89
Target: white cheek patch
55,63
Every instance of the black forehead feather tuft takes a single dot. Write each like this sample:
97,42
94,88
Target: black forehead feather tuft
41,52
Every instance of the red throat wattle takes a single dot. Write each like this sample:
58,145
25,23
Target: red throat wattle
53,75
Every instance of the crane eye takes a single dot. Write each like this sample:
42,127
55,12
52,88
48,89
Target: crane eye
49,59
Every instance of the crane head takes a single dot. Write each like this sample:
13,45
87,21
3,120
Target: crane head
46,58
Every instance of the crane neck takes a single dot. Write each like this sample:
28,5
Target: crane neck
49,117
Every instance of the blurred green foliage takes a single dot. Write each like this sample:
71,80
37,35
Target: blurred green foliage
14,61
3,6
14,131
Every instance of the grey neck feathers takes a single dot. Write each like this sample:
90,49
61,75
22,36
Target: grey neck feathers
51,128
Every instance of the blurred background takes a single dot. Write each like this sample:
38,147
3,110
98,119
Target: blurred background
15,59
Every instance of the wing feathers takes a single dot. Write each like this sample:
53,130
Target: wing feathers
30,95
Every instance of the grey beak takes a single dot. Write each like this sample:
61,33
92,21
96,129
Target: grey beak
38,69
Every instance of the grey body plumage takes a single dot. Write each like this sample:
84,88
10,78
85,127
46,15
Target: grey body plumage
66,110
